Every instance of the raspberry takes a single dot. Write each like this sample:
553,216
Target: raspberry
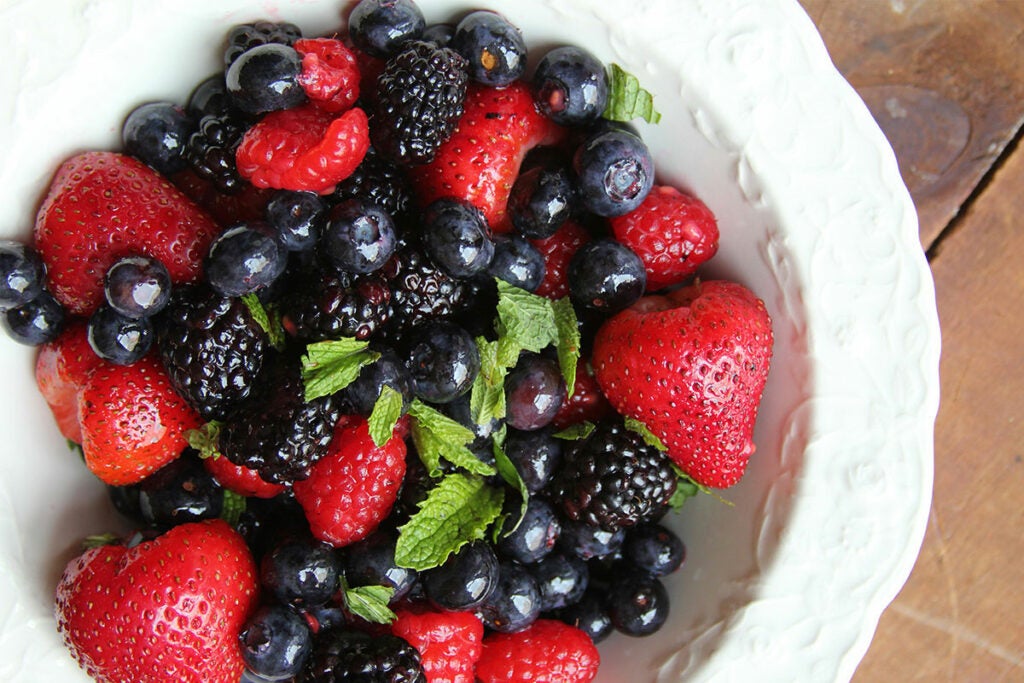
330,74
304,148
672,233
549,651
612,479
558,250
353,488
449,643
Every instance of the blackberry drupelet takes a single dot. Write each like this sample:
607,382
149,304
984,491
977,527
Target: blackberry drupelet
333,305
277,432
420,96
614,480
348,655
247,36
420,291
380,181
212,349
211,151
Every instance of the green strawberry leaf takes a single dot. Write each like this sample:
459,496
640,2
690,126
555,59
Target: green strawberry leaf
568,342
205,439
100,540
627,99
638,427
457,511
269,320
387,409
330,366
438,436
233,507
508,472
687,488
76,448
369,602
576,432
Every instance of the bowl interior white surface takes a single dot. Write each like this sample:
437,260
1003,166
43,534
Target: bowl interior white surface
785,584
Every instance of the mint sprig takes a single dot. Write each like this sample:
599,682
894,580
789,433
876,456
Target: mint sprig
330,366
438,436
387,409
638,427
627,99
369,602
576,432
268,319
511,475
457,511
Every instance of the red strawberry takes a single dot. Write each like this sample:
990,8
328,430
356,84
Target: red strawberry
691,366
548,651
449,643
480,161
671,232
353,488
587,403
242,480
62,367
557,251
102,206
304,148
133,423
330,73
168,609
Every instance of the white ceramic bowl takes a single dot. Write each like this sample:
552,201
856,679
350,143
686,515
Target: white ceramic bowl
787,584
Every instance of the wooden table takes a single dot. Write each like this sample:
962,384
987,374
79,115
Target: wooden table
945,81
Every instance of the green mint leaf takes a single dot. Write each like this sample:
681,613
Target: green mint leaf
576,432
627,99
487,395
508,472
438,436
457,511
330,366
384,416
369,602
638,427
205,439
268,319
568,343
525,318
233,507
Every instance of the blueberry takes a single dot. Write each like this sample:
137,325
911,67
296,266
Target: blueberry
443,360
615,172
638,604
606,275
515,602
517,262
590,615
276,641
464,580
209,98
535,535
266,78
588,542
378,27
21,274
156,133
125,500
541,200
536,455
37,322
301,571
178,493
561,580
457,238
654,549
360,237
244,258
534,392
570,86
371,562
388,370
494,48
137,286
438,34
297,218
117,338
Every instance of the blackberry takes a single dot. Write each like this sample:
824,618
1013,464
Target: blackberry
334,305
212,349
349,655
420,97
244,37
420,291
277,432
211,151
613,480
380,181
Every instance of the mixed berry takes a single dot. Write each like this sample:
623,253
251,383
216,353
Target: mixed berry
393,356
